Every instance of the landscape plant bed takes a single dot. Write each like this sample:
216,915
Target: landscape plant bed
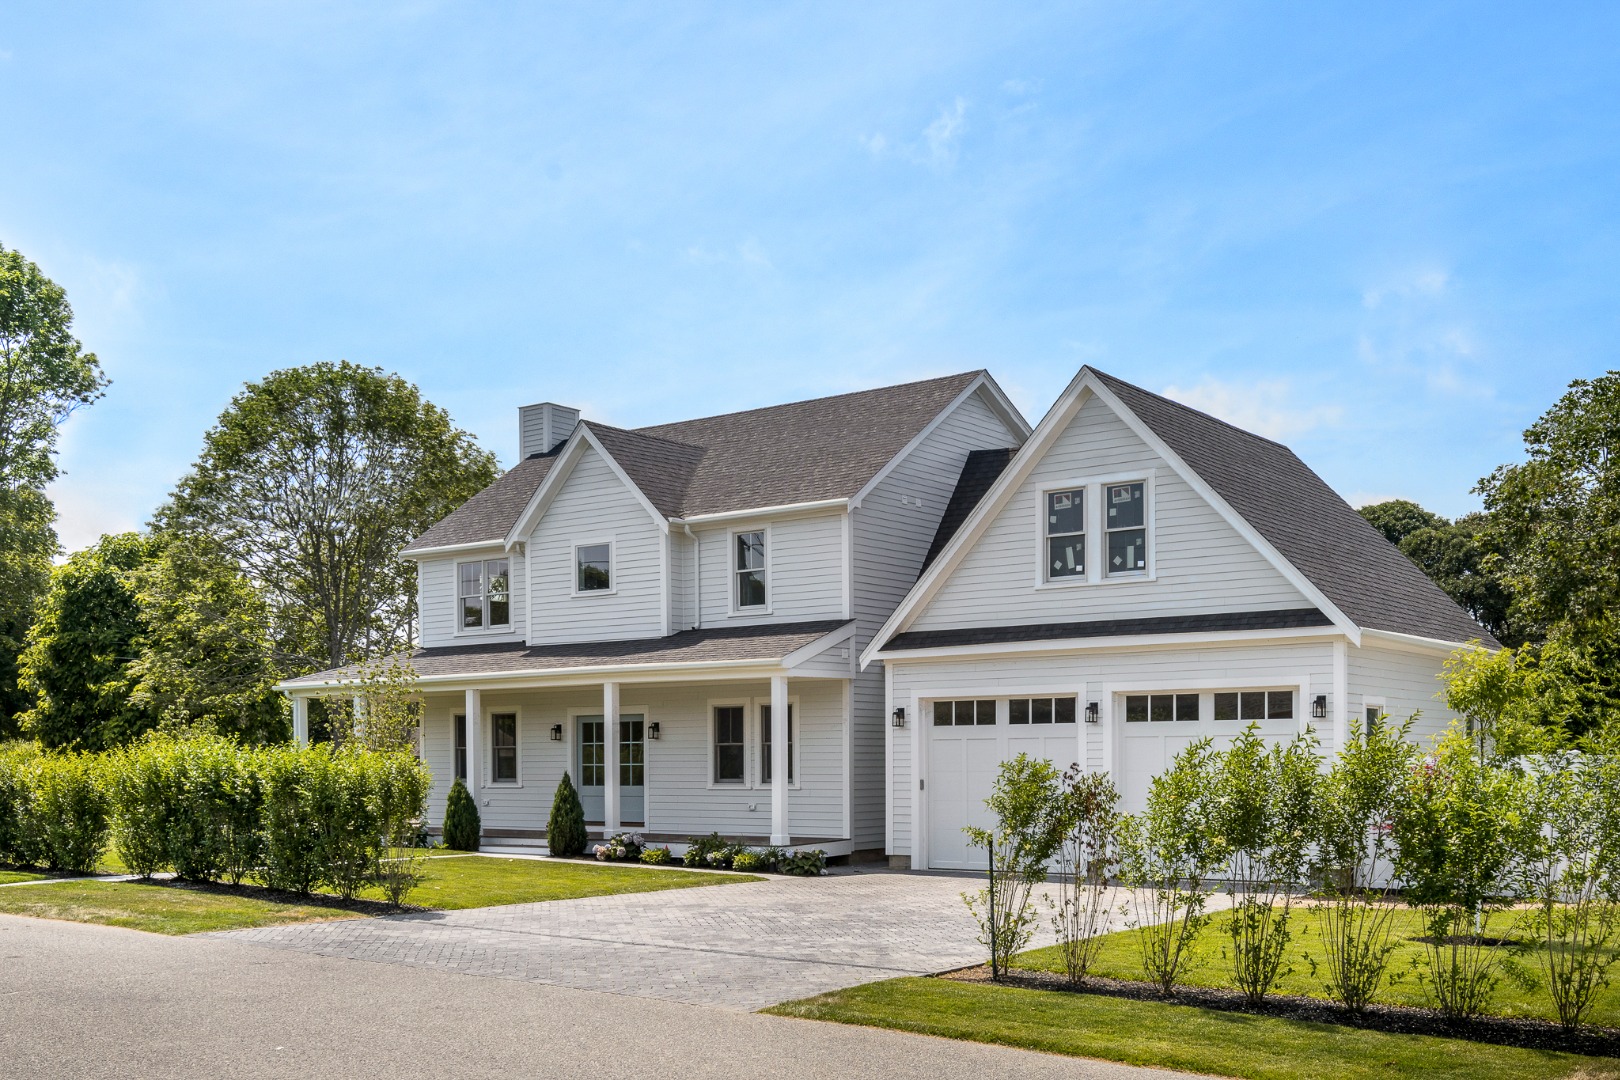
1527,1033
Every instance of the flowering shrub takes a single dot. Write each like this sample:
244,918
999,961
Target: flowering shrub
748,861
657,856
700,848
623,847
804,863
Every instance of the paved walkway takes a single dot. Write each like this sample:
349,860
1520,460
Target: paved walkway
740,946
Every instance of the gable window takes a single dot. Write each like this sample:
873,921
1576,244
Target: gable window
728,744
1065,534
1041,710
503,748
1162,708
1255,705
486,593
765,744
460,723
964,713
749,568
594,567
1126,510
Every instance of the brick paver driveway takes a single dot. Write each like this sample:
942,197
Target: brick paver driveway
740,946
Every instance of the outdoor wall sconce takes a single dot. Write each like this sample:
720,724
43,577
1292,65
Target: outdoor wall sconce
1093,712
652,730
556,733
1319,706
899,717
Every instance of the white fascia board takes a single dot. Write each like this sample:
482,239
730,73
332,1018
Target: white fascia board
1415,643
998,403
582,437
1292,635
819,646
452,549
782,510
575,676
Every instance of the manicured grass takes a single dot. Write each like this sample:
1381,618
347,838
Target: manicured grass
160,909
472,881
1121,959
1178,1036
8,876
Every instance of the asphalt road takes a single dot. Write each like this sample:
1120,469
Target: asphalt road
85,1002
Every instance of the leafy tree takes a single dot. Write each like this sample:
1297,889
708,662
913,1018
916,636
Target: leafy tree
1027,833
312,480
206,661
81,648
1536,698
1399,518
1554,519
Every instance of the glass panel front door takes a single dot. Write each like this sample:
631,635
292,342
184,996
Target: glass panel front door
632,769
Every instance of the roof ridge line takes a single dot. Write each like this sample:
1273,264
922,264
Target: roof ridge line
806,401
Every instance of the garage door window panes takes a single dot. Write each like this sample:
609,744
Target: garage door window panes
1041,710
1255,705
1161,708
964,713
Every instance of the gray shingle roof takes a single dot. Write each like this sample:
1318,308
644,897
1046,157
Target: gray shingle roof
1289,618
765,644
1352,563
979,473
804,451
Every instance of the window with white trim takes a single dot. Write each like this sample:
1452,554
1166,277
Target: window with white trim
1161,708
485,592
729,756
749,570
503,748
1041,710
765,744
964,713
1065,534
593,568
1254,705
1125,521
459,722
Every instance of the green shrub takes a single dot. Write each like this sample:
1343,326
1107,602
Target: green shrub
70,807
139,783
657,856
1024,800
708,851
565,829
400,785
351,829
749,861
19,839
294,846
462,827
804,863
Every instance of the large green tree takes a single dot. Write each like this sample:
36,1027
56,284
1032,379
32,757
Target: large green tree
311,482
78,664
1456,555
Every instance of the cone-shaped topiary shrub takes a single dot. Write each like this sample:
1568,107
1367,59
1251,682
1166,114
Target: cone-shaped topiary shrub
461,825
565,832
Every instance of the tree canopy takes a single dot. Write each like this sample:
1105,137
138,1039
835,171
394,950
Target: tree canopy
1399,518
311,482
1455,556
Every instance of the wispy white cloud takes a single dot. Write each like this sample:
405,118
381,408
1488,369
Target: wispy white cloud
1265,406
746,252
1411,325
937,145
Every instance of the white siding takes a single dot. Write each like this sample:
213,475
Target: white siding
806,560
890,540
683,586
439,608
594,505
1203,565
1092,675
1408,682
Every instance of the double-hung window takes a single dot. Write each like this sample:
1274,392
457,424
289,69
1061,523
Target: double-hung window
728,744
503,748
486,593
1126,507
749,570
1065,534
593,568
765,744
460,724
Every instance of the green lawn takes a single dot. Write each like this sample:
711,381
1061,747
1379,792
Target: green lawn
450,882
8,876
1178,1036
470,881
1121,959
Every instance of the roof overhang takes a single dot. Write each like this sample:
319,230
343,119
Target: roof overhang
1414,643
782,510
453,549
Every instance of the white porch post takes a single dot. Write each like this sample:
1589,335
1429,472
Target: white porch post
610,744
300,720
475,728
360,718
779,762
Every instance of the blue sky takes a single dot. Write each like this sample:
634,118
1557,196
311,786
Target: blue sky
1386,234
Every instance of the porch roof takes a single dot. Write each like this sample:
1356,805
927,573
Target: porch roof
720,647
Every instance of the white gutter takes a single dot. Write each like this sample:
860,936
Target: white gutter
762,511
446,549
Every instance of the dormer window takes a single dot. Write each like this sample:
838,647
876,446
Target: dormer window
749,570
1127,528
1065,534
593,568
486,594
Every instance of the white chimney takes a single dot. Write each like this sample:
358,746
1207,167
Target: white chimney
543,427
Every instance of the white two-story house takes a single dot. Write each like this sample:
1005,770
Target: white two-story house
1134,576
673,615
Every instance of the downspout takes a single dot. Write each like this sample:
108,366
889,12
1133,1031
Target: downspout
697,578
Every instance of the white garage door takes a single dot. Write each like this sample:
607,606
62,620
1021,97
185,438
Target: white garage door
1154,727
967,742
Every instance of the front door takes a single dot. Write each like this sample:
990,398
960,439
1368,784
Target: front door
632,769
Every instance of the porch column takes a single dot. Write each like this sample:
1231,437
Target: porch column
301,720
610,746
779,761
359,718
475,715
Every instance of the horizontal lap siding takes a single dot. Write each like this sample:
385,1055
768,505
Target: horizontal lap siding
439,608
594,505
1086,675
1202,564
891,539
806,559
1408,682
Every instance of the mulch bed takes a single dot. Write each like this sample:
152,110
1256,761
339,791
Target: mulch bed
1524,1032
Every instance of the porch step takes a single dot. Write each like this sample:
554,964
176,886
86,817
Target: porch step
506,846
